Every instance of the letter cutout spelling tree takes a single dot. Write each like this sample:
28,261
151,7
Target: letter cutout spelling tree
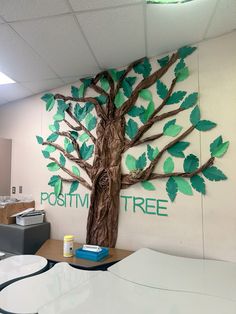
107,135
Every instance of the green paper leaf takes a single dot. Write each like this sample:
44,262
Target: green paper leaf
53,137
50,101
81,112
58,187
169,123
163,61
191,163
53,180
74,91
76,171
74,187
84,137
145,94
86,152
179,66
62,106
90,122
141,162
147,112
102,99
198,184
173,130
183,186
56,125
69,147
39,139
195,116
52,128
81,91
50,149
186,51
148,186
136,111
215,144
189,101
52,166
176,97
214,174
104,84
119,99
171,189
87,81
177,149
62,160
46,154
168,166
130,162
59,116
127,84
205,125
162,90
131,128
183,75
220,150
143,68
151,152
74,134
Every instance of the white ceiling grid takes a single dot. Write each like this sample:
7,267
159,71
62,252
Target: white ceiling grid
48,43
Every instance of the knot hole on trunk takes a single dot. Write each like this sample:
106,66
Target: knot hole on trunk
103,181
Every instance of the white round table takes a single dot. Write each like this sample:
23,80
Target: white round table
20,266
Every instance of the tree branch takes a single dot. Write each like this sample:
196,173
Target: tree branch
145,83
76,128
147,139
76,178
99,110
74,142
126,181
82,163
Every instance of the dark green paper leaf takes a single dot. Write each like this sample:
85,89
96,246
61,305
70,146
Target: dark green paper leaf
62,160
131,128
141,162
189,101
53,137
214,174
162,90
50,101
176,97
58,187
52,166
163,61
198,184
46,154
136,111
215,144
191,163
53,180
171,188
177,149
205,125
39,139
74,187
195,116
86,152
151,152
186,51
220,150
143,68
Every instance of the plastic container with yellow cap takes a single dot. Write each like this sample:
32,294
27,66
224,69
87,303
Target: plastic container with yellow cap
68,246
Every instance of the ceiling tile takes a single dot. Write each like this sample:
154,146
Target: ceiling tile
73,79
18,60
42,86
81,5
15,91
224,19
59,41
115,35
15,10
171,26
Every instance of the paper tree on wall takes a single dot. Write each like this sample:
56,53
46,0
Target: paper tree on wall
110,133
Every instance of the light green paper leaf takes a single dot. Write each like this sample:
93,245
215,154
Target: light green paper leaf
52,128
62,160
173,130
168,166
83,137
145,94
183,75
59,116
58,187
50,149
205,125
183,186
148,112
195,116
171,189
39,139
148,186
131,128
189,101
220,150
171,122
119,99
198,184
104,84
214,145
76,171
162,90
130,162
191,163
176,97
74,187
214,174
52,166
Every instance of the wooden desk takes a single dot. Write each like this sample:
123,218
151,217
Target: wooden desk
52,250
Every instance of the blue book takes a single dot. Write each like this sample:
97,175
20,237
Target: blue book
93,256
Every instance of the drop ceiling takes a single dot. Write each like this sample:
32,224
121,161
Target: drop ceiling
46,44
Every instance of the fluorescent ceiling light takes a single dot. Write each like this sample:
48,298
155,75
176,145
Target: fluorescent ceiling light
4,79
167,1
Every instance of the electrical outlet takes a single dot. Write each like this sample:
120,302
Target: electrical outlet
13,190
20,189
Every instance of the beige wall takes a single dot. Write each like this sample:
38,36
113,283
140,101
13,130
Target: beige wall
5,167
196,226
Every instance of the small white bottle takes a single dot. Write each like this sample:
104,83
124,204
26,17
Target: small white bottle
68,246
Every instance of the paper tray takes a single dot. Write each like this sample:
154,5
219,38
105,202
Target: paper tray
93,256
